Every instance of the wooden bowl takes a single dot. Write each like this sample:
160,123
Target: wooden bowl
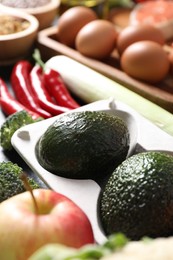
45,13
15,46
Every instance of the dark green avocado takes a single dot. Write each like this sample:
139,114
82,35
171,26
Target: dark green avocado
82,145
138,197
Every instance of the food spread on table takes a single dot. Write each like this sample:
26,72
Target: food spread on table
86,165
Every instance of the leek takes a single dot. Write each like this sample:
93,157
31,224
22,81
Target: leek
91,86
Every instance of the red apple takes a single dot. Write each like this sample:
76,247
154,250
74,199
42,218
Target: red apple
23,231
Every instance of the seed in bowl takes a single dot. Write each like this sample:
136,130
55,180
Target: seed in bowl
10,24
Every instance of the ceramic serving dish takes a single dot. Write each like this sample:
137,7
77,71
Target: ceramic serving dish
144,135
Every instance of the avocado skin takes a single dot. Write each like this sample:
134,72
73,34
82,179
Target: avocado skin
138,197
83,145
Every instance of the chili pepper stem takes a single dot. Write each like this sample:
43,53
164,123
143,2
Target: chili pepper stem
37,57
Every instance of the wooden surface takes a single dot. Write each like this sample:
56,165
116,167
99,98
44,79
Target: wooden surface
161,93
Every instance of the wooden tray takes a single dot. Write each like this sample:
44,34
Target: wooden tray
161,93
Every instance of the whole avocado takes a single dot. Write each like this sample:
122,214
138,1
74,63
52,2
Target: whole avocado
85,144
138,197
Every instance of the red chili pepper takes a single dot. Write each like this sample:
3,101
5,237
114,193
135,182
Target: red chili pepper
58,89
9,104
39,90
55,85
21,85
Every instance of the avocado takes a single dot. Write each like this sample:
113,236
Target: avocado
83,144
138,197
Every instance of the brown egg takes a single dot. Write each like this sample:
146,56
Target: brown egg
97,39
145,60
71,21
137,33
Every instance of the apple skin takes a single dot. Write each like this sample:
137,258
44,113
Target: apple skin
60,220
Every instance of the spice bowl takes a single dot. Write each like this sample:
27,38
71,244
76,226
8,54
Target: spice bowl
18,34
45,11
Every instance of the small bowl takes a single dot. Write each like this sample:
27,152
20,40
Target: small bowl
17,45
45,13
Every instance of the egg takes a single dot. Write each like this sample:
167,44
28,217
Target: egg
136,33
71,21
97,39
145,60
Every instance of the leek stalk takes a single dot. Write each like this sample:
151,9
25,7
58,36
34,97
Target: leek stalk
91,86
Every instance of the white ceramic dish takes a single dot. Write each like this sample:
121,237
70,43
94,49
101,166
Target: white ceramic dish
144,136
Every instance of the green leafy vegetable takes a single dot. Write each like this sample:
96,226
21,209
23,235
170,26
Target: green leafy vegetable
10,181
87,252
13,123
